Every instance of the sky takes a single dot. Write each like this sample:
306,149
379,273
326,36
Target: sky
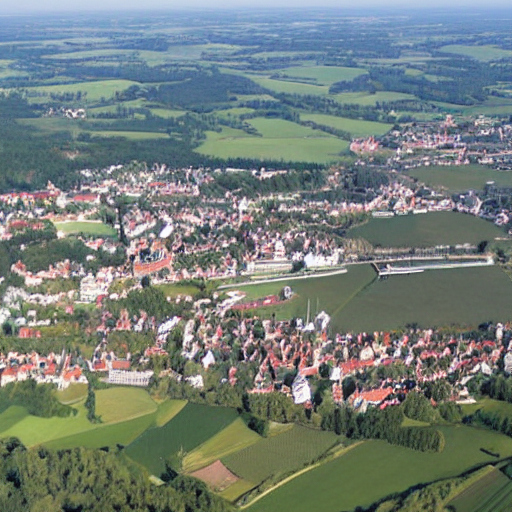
33,6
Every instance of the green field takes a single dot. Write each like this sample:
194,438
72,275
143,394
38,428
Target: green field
375,469
484,53
288,87
322,75
490,493
356,127
427,230
460,178
96,90
175,290
280,454
232,439
129,134
118,404
434,298
325,293
87,228
489,405
74,393
194,425
358,301
366,99
280,140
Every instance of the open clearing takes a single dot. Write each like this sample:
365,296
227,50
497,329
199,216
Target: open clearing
324,75
339,484
194,425
460,178
87,228
367,99
484,53
427,230
280,454
74,393
232,439
96,90
280,140
122,403
356,127
490,493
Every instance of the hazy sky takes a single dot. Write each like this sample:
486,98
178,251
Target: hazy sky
24,6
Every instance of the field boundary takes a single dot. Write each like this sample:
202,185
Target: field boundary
336,454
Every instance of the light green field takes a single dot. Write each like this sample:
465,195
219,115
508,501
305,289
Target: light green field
322,75
166,113
375,469
460,178
356,127
105,435
74,393
11,417
365,99
484,53
88,228
230,440
281,140
280,454
123,403
288,87
95,89
234,112
427,230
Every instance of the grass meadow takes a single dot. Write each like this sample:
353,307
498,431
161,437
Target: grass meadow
191,427
356,127
87,228
427,230
460,178
280,140
484,53
375,469
323,75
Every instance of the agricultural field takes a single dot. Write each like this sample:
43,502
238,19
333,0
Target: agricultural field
87,228
356,127
427,230
92,91
464,297
191,427
358,301
280,140
490,493
503,409
233,438
280,454
118,404
322,75
289,87
340,484
484,53
366,99
460,178
72,394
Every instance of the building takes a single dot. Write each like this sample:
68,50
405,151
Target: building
130,378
